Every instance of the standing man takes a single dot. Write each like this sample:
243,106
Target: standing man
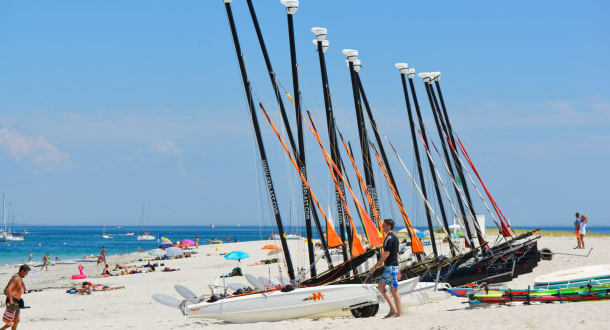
577,230
45,262
390,274
13,292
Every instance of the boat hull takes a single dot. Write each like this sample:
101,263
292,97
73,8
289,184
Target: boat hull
278,305
574,277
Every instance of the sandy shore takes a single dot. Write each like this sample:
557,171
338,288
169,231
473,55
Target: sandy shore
133,307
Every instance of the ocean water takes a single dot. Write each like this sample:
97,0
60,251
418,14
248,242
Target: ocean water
73,242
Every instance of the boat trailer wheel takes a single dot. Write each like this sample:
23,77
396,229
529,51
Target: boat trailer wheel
366,311
546,254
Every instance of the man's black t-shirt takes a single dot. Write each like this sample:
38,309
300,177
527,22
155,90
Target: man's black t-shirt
391,244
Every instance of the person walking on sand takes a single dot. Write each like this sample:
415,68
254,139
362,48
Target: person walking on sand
102,256
389,259
14,303
582,230
196,242
45,263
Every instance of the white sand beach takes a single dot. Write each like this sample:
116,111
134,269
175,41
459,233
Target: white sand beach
133,307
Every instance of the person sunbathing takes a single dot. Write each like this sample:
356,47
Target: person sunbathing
264,262
86,288
100,287
125,267
167,269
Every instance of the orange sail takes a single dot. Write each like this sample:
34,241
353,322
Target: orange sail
332,237
362,184
374,236
416,246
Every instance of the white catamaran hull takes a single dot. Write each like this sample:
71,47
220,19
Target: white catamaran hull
277,305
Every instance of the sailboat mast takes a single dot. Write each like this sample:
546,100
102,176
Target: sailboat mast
426,78
3,227
272,76
142,219
280,102
291,9
354,67
322,45
259,140
435,180
422,181
435,76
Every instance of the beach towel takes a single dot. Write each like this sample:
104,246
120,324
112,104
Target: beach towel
9,317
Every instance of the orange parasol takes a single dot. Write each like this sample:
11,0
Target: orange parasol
270,247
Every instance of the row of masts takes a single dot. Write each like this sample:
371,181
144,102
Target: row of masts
347,232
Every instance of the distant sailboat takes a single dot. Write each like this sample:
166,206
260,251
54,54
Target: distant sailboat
104,235
145,236
7,233
212,225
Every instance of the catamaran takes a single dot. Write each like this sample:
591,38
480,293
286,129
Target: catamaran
275,304
462,266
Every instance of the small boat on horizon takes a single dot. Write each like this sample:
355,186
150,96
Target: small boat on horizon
212,225
119,227
145,236
104,235
129,234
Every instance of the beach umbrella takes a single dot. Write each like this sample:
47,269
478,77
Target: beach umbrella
173,252
274,252
165,239
157,253
270,247
236,255
187,242
406,230
420,235
165,245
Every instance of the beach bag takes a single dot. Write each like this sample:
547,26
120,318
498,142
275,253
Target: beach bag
237,272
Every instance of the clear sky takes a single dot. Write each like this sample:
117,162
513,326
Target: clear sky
107,104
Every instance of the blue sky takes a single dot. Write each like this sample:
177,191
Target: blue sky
104,105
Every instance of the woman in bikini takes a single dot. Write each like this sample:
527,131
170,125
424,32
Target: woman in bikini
106,272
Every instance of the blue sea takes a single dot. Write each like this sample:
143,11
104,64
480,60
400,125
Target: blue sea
73,242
